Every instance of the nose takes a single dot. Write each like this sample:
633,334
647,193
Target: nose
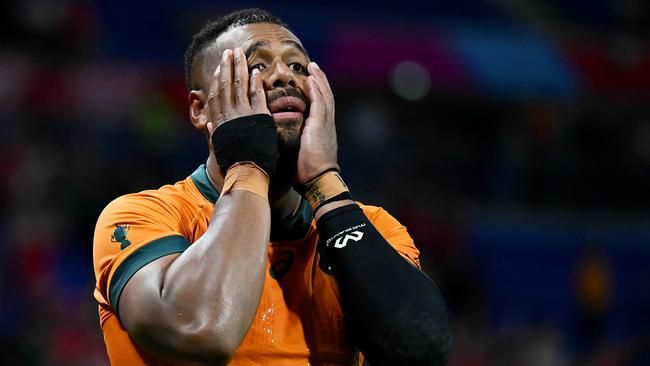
280,76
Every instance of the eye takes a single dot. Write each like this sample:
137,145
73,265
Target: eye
297,67
256,66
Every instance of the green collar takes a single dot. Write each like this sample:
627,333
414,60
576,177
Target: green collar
293,227
202,182
290,228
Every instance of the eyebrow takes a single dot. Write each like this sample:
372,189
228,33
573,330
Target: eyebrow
296,45
262,44
254,47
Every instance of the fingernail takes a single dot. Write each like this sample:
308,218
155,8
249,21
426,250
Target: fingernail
255,72
316,66
225,54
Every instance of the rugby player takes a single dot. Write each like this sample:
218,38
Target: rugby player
261,256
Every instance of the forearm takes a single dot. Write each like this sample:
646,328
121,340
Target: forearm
218,281
396,312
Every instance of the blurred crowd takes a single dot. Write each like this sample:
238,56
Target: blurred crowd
530,207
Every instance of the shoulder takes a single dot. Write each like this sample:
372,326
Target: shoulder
393,231
169,201
136,229
378,215
146,216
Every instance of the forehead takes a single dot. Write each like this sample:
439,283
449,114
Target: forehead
246,35
242,36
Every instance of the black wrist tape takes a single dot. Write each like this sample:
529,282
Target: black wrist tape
249,138
395,312
339,197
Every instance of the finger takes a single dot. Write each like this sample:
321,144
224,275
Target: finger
311,90
323,85
321,80
316,102
225,84
214,82
213,101
257,95
240,81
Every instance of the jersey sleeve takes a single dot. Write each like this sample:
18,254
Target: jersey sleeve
131,232
394,232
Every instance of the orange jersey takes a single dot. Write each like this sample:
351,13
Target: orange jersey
299,320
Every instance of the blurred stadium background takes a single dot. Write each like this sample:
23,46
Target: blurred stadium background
512,137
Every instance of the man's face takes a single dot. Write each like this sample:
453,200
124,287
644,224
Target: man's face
282,62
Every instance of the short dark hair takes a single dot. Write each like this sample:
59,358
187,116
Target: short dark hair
212,30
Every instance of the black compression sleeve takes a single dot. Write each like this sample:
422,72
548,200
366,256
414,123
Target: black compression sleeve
396,313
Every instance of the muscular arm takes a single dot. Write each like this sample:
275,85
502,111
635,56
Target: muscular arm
199,305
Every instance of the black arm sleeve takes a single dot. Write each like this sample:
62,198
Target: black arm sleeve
395,312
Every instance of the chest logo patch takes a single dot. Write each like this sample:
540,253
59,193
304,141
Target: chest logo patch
281,263
119,235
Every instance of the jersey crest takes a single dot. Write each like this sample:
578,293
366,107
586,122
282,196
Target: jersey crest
119,235
281,264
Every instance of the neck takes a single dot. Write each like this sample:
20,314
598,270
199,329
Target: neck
283,199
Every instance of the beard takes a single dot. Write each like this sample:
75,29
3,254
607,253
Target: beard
289,133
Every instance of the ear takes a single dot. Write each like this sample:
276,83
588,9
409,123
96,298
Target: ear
198,114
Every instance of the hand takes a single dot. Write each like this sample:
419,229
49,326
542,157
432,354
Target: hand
318,147
231,93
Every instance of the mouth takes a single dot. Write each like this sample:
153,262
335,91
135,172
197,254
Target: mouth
287,108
